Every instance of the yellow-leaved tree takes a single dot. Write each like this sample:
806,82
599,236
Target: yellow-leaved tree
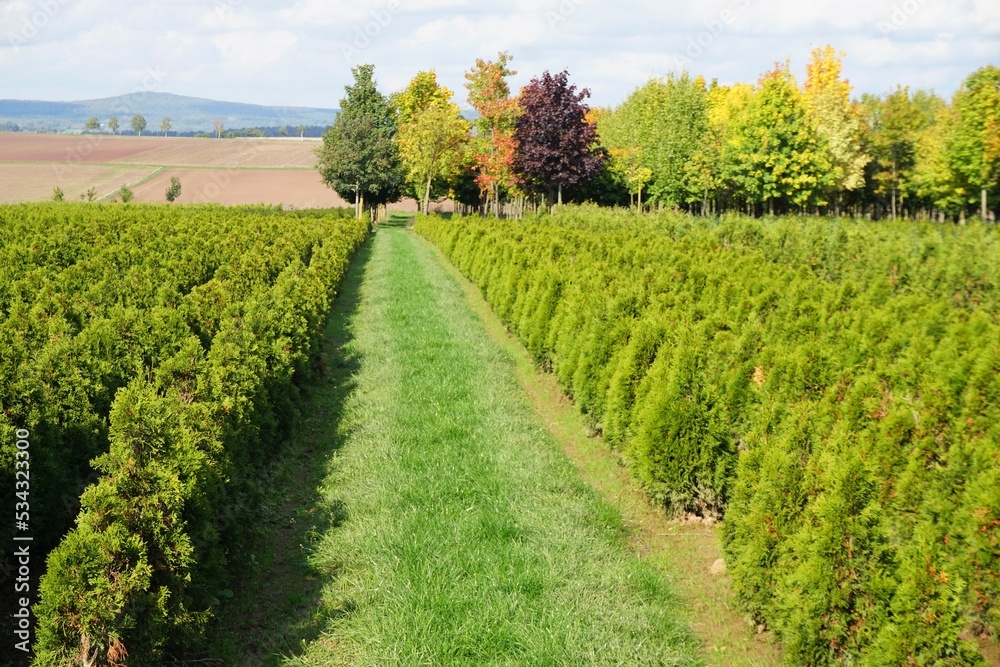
432,134
837,121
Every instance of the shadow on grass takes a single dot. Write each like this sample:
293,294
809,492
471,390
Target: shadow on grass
276,606
397,220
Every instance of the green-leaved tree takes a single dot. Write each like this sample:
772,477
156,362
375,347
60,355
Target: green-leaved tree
776,156
837,121
975,147
359,158
432,135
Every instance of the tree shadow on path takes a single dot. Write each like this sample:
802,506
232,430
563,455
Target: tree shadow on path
274,609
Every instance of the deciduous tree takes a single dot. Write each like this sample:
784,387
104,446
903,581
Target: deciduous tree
975,150
776,155
138,124
174,189
113,124
493,145
432,134
892,125
165,125
933,180
556,146
837,121
359,157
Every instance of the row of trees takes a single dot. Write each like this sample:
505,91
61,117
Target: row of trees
418,143
138,124
845,425
776,146
678,142
219,127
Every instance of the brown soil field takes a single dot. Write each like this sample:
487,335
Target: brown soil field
291,188
160,151
223,171
35,182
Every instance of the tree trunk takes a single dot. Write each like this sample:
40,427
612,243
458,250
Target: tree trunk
984,212
894,190
427,196
560,195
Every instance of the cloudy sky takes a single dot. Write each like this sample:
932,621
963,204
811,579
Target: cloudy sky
299,52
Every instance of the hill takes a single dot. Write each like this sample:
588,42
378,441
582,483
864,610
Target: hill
187,114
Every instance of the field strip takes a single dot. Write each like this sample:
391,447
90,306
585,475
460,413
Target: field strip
145,179
466,536
167,166
684,551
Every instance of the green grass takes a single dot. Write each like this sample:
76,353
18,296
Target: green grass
459,532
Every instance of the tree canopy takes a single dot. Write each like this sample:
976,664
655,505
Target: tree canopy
359,157
770,146
557,147
432,134
493,147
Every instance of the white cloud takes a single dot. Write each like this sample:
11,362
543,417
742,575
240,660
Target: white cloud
291,51
251,49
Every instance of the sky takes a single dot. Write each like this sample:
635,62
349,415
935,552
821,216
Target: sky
300,52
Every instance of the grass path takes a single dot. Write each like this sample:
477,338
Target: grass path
686,552
461,534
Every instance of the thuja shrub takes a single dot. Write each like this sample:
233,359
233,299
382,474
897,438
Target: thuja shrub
91,296
830,388
149,555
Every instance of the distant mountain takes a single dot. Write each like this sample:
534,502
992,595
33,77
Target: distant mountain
187,114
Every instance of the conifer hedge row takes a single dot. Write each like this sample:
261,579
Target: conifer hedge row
164,343
831,388
92,296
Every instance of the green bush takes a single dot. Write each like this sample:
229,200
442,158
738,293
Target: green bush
166,346
830,387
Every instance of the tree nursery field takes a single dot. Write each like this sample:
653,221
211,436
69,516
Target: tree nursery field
827,388
243,429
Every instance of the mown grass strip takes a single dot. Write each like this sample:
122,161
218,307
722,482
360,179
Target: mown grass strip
469,537
685,551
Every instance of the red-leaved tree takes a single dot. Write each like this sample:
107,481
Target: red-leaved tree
556,147
493,146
